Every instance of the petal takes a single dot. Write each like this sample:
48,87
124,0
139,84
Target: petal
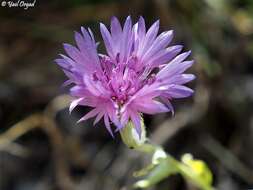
161,42
150,106
164,56
178,91
91,86
167,102
107,40
67,83
107,125
116,30
124,117
99,117
73,52
68,60
149,38
87,47
136,119
146,91
63,63
126,39
89,115
179,79
74,103
80,42
91,51
181,57
77,91
141,27
91,35
176,66
111,109
80,61
95,87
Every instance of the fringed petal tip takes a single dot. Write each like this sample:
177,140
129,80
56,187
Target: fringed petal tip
74,103
172,111
66,83
66,46
141,20
128,19
114,19
192,77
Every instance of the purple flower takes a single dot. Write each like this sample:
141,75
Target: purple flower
139,74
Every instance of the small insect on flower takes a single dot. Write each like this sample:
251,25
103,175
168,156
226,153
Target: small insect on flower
140,73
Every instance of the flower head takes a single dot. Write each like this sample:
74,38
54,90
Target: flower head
140,73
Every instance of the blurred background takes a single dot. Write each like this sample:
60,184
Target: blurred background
42,147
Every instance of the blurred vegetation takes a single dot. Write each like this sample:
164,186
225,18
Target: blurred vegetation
42,147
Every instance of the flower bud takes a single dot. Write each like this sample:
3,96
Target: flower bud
130,136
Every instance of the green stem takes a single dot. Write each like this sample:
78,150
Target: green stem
147,148
164,165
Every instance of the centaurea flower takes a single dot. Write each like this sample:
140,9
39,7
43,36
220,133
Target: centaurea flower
140,73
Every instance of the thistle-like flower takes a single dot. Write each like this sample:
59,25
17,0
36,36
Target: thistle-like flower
140,73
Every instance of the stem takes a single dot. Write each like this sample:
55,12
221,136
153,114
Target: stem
147,148
163,164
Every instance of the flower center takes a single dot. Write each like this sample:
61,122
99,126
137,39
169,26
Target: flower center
123,80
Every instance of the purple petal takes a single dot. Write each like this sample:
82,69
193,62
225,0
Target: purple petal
99,117
91,86
149,39
136,119
164,56
74,104
89,115
111,110
91,51
96,88
126,39
67,83
141,27
73,52
175,66
80,42
91,35
166,101
150,107
107,40
116,30
179,79
178,91
107,125
125,118
68,60
161,42
63,63
77,91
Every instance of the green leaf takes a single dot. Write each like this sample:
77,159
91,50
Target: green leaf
160,172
